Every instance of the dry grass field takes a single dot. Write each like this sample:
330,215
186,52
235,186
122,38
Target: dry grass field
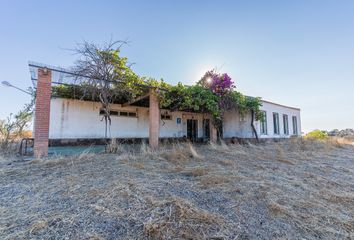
296,189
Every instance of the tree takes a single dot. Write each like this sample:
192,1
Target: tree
14,126
104,74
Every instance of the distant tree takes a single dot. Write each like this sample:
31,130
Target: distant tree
341,133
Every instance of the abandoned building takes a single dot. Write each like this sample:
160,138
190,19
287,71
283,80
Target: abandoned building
68,120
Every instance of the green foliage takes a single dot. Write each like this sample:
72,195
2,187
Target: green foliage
254,104
194,98
214,94
317,135
89,93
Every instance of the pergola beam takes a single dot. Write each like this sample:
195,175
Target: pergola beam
137,99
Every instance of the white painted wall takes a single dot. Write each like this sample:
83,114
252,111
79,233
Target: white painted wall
71,118
273,107
236,126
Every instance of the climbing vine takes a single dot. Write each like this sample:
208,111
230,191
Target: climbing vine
214,93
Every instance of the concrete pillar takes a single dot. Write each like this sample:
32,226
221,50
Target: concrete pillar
154,119
42,113
213,134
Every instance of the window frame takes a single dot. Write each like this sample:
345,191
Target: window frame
167,117
286,124
117,113
276,129
264,124
132,114
295,127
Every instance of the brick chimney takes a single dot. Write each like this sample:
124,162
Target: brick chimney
42,113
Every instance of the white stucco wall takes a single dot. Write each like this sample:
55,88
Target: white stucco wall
270,108
71,118
236,126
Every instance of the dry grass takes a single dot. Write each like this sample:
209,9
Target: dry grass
339,142
288,190
276,208
181,219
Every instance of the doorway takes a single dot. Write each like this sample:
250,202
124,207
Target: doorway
220,132
192,129
206,129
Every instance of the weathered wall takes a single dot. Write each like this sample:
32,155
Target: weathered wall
237,126
71,118
273,107
80,119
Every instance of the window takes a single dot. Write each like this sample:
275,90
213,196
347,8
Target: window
166,117
127,114
286,124
112,113
132,114
119,113
264,123
276,123
242,117
295,125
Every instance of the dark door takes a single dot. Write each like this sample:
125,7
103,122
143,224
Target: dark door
192,129
220,132
206,129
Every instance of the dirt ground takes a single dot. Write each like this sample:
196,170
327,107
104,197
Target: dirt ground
297,189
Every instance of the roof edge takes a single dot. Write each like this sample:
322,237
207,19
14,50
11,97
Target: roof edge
280,105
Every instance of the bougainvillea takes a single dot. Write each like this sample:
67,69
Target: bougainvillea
220,84
224,88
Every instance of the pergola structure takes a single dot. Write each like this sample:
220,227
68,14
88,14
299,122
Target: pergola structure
43,76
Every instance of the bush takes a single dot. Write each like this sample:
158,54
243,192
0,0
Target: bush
317,135
15,127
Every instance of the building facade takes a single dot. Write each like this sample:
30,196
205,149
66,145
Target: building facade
75,119
63,119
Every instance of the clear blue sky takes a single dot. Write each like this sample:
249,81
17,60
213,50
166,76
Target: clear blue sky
297,53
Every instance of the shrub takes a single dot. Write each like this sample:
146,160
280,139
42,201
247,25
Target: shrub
15,127
317,135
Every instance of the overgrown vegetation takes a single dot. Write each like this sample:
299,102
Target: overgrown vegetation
15,127
215,94
297,189
103,75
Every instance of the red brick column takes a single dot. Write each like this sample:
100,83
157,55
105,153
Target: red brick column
42,113
213,134
154,119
